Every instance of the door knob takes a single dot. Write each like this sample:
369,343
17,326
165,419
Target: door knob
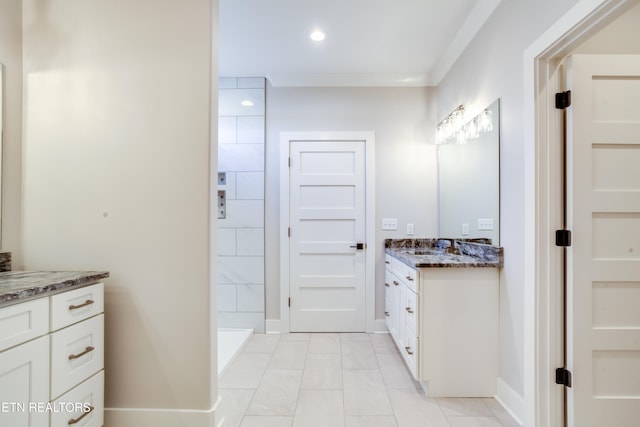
358,246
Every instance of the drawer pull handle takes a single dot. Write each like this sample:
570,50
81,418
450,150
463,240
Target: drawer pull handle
387,285
77,420
387,262
408,350
409,278
409,310
84,304
386,313
89,349
395,282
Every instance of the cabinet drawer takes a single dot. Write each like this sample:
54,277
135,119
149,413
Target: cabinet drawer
388,259
77,352
410,307
408,275
83,404
410,351
21,322
73,306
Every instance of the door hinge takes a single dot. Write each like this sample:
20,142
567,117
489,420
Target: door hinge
289,161
563,238
563,377
563,100
289,301
288,231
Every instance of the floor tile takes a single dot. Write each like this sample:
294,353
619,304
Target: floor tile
277,393
289,355
233,405
394,372
464,407
365,394
500,413
383,343
474,422
322,371
324,343
246,371
370,421
262,343
358,355
319,408
266,421
354,336
412,408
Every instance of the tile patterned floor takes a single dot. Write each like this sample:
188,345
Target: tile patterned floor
337,380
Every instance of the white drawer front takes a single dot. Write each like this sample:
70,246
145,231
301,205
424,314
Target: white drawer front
73,306
410,307
83,404
408,275
21,322
388,259
77,352
410,351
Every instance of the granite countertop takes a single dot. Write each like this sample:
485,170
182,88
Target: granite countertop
433,253
18,286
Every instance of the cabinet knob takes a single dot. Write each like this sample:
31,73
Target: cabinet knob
395,282
387,285
409,310
386,313
408,349
409,278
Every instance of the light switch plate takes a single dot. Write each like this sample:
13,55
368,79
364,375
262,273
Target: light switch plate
389,223
465,229
485,223
410,229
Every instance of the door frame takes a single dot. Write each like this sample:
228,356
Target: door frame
370,283
542,322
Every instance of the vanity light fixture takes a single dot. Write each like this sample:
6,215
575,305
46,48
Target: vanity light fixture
455,126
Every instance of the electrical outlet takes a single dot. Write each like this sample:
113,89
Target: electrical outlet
389,223
465,229
410,229
485,223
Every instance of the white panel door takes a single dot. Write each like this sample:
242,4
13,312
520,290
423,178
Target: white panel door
327,221
604,260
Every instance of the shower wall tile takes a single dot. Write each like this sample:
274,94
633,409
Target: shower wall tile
251,83
243,214
227,241
227,298
250,185
250,130
227,130
250,298
241,270
241,157
253,321
250,241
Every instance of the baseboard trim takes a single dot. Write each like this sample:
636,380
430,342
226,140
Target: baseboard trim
511,401
160,417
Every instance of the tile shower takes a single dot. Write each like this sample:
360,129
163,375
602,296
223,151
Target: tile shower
241,148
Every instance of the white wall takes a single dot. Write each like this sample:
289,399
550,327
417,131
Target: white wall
403,120
621,37
11,58
117,109
492,67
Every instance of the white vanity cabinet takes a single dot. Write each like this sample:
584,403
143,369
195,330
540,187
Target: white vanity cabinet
448,332
52,360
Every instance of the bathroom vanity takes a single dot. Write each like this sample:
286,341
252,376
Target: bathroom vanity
442,308
51,348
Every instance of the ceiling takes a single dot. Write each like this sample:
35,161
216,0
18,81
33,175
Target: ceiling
368,42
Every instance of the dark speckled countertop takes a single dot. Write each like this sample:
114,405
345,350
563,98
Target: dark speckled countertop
19,286
433,253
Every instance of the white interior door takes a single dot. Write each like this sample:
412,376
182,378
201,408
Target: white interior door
604,260
327,222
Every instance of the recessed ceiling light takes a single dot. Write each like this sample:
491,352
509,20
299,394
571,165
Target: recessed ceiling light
246,103
317,36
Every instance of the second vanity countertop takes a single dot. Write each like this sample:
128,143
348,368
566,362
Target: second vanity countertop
18,286
435,253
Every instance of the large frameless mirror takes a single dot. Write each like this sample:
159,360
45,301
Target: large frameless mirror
469,180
